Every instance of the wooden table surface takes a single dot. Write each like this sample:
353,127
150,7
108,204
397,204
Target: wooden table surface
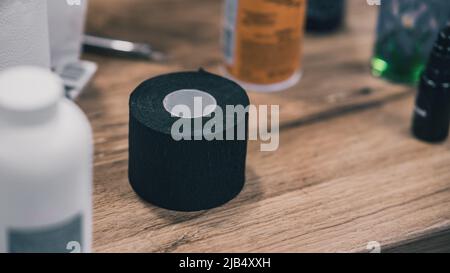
347,171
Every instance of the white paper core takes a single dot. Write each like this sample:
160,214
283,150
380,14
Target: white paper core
199,103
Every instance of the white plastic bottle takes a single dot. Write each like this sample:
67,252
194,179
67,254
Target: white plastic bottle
45,166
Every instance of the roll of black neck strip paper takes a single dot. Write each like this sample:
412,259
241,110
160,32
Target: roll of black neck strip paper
187,175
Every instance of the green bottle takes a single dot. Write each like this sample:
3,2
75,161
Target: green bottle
405,36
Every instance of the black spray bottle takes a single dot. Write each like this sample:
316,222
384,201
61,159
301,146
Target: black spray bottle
431,120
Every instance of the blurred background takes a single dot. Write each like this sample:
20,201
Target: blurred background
190,30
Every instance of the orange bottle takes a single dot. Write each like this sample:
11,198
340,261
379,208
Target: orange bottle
262,42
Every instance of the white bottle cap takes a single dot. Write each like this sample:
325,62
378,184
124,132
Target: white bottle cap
29,93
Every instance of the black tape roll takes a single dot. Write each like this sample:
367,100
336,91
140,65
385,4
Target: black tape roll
185,175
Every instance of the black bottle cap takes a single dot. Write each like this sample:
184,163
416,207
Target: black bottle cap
438,67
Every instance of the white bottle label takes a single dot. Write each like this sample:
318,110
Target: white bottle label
61,238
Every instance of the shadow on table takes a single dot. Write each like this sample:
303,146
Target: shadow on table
251,193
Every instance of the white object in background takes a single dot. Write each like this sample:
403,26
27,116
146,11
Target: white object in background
66,20
66,25
76,76
24,33
45,166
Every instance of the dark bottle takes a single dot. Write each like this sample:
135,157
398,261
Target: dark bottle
431,120
325,15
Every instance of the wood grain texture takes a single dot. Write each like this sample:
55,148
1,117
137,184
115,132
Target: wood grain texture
347,171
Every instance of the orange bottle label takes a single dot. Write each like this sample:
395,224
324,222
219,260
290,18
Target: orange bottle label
263,39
